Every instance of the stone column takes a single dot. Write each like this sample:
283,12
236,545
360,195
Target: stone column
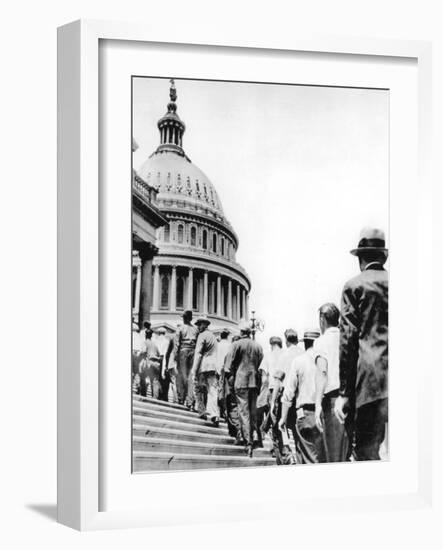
190,287
229,312
136,262
219,296
247,305
144,312
173,288
156,288
238,302
205,292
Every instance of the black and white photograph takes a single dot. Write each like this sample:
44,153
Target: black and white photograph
260,245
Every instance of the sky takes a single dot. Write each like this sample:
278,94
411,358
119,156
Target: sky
299,171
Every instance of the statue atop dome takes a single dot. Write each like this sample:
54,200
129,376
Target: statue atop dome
172,91
171,127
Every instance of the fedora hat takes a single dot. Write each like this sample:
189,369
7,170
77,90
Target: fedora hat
202,319
371,239
311,334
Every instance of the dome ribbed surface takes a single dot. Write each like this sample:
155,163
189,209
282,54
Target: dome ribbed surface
176,178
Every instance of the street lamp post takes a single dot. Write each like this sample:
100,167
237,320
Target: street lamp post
255,324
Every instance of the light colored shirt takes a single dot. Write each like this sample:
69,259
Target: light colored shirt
185,337
269,364
300,380
222,351
205,358
162,342
138,342
285,360
327,346
151,349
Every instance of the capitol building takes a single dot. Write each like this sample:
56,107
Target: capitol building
192,263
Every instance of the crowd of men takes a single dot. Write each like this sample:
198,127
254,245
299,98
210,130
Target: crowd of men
320,398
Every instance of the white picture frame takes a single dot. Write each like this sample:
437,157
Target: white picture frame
79,253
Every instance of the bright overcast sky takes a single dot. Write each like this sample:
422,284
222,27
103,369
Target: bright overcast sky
299,171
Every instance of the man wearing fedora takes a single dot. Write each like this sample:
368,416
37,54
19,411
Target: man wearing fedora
242,365
183,356
205,372
363,400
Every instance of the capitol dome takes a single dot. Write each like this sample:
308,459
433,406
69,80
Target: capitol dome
195,267
176,178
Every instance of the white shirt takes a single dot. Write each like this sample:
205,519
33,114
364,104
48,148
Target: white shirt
327,346
162,343
269,363
300,380
138,342
285,360
222,350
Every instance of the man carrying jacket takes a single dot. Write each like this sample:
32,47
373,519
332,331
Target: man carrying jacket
363,400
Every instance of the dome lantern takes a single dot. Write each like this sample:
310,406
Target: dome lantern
171,127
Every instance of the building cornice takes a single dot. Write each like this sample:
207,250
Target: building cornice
147,210
174,256
196,217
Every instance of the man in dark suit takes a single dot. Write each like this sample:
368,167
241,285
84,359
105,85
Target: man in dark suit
364,348
244,359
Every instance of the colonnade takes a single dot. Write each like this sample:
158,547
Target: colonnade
176,288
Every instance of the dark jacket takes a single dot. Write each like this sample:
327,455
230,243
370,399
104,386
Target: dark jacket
243,361
364,337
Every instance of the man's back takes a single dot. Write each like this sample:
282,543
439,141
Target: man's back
364,336
269,364
300,379
285,360
246,357
186,335
207,347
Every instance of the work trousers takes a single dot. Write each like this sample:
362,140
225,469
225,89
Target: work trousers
230,407
168,381
185,360
154,376
309,445
206,394
247,410
369,429
335,436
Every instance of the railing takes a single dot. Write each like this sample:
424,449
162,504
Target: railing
146,191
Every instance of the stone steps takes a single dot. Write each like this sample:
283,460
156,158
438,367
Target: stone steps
153,420
157,414
162,406
146,461
167,436
150,400
150,443
180,434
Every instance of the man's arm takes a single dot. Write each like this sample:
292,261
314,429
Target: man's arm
290,387
231,363
349,336
278,383
177,342
263,371
321,380
198,355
